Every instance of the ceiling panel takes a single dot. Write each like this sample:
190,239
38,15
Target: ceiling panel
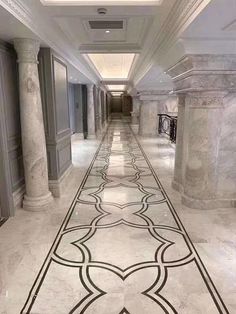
113,66
116,93
116,87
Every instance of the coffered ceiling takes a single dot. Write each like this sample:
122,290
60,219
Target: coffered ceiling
116,87
112,66
120,31
124,46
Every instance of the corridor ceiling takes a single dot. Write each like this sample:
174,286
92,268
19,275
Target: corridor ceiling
132,44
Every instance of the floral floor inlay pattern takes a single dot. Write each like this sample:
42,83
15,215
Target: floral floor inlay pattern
122,247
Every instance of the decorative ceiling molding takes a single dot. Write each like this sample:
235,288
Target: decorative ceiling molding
48,32
181,15
112,65
116,82
109,48
101,2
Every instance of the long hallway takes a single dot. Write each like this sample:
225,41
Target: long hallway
122,247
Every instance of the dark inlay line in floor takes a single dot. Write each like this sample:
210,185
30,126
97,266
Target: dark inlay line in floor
122,247
2,221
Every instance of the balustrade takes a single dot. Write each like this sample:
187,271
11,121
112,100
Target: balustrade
168,125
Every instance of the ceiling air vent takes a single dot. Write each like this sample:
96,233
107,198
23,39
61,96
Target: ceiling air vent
106,24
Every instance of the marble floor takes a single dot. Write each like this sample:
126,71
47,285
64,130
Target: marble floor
119,241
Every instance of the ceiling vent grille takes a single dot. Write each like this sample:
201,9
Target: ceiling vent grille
106,24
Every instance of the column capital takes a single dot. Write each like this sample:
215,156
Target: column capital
204,73
153,95
90,87
27,50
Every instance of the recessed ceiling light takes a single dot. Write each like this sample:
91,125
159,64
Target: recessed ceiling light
112,65
116,87
108,32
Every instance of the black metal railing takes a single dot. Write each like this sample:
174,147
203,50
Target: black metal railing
168,125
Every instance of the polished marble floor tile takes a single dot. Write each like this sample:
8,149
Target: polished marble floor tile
122,247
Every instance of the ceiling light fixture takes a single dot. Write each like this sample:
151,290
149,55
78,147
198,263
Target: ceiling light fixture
108,32
112,65
116,87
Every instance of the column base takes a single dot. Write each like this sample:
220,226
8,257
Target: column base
177,186
207,204
36,204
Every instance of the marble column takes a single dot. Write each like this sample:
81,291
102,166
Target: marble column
37,196
179,152
91,112
105,112
136,108
148,118
151,102
205,159
99,124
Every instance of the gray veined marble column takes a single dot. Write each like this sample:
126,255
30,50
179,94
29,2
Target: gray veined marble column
136,109
148,118
99,104
205,169
152,103
38,196
105,112
91,112
179,152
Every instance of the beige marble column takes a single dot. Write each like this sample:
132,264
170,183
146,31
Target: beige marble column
205,169
148,121
151,102
136,109
105,112
99,124
91,112
179,152
37,197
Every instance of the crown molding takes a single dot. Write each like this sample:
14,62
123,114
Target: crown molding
181,15
44,28
109,48
101,3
